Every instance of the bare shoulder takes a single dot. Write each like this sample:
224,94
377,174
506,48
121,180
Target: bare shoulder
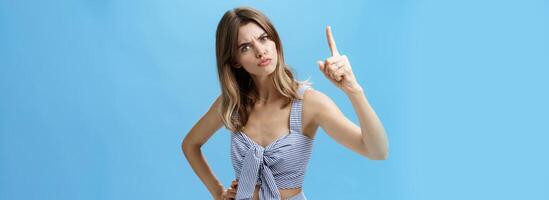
206,126
316,103
214,112
315,99
216,105
319,107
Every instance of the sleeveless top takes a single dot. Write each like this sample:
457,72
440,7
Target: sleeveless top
280,165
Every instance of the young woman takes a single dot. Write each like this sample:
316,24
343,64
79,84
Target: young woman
272,117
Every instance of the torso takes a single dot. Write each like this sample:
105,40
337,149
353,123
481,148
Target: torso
267,123
284,193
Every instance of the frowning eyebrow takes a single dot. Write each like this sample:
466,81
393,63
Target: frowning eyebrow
246,43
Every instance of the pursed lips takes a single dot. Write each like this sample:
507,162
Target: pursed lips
264,61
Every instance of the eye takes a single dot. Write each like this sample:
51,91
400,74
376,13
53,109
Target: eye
244,48
264,38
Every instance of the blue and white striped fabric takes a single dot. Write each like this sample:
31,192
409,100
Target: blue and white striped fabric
279,165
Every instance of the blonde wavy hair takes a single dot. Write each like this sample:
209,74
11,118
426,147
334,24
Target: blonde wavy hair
237,87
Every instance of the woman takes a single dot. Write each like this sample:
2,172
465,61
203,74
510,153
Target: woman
272,117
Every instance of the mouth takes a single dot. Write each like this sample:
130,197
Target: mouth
264,62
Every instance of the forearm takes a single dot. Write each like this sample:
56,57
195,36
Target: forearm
202,169
373,133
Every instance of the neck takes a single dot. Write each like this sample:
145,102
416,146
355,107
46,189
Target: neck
266,90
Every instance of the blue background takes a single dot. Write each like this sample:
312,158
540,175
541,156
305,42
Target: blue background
96,96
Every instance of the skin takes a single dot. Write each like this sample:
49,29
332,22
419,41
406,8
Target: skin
268,119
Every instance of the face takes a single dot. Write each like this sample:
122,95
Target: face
256,51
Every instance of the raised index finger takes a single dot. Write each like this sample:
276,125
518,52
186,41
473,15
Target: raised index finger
331,41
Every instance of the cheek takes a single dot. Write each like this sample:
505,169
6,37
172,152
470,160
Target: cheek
274,52
242,57
273,47
247,59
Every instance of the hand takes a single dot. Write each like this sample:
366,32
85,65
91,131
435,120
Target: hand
338,68
230,193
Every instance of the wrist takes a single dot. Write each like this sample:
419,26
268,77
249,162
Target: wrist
356,90
217,190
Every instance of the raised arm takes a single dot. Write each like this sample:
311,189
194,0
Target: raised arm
369,139
193,141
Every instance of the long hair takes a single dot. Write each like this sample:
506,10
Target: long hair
239,92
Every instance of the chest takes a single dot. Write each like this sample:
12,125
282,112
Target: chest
267,123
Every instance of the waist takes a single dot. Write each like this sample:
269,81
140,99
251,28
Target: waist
284,193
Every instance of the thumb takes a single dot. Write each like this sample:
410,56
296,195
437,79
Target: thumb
320,65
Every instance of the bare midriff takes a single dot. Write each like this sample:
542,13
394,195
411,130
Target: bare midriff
284,193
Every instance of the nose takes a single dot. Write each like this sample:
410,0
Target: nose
260,50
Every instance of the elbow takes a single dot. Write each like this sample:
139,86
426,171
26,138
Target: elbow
184,147
187,146
378,157
379,152
382,155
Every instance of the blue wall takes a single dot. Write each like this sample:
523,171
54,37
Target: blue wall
96,96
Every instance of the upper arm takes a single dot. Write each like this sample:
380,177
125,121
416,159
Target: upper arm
208,124
328,116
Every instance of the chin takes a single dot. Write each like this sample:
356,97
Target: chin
264,71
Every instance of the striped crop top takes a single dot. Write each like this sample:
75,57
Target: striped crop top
279,165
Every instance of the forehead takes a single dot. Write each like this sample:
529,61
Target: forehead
248,32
